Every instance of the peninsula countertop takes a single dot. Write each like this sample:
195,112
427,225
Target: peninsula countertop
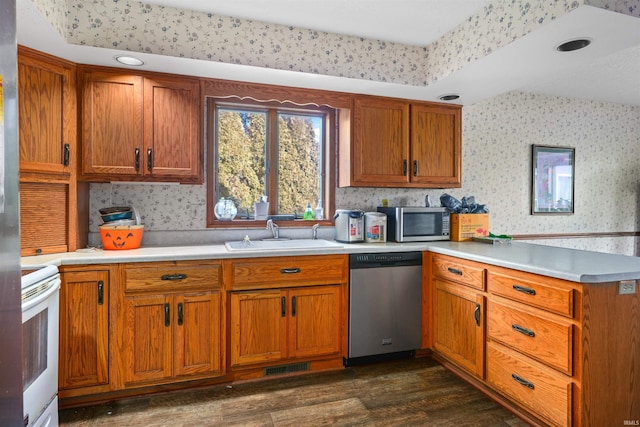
561,263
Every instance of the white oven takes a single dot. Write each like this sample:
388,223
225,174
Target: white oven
40,316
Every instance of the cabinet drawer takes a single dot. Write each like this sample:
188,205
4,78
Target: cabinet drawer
546,340
172,278
546,293
466,272
545,393
278,272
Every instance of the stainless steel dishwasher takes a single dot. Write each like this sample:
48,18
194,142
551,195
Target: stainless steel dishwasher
385,305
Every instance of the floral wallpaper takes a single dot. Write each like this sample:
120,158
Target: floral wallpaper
497,138
143,27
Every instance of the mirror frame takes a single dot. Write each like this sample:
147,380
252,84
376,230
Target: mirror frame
544,161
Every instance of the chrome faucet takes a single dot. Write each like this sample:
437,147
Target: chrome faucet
273,227
314,230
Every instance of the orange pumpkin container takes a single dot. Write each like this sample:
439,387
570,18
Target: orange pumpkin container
119,237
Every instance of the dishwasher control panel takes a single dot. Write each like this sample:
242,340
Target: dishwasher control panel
374,260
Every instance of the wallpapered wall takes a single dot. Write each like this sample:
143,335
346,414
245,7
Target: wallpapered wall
497,138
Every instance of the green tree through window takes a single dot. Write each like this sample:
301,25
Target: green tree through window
267,151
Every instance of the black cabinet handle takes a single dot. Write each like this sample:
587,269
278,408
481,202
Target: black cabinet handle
137,158
66,155
149,159
100,292
454,271
283,306
167,315
180,314
173,276
404,167
293,306
524,289
523,330
522,381
415,168
476,314
290,270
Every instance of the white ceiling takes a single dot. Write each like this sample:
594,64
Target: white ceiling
607,70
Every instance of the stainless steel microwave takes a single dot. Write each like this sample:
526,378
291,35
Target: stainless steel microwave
416,224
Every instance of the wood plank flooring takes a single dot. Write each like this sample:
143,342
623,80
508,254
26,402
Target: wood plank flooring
408,392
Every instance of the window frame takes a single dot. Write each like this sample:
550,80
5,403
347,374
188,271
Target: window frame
330,146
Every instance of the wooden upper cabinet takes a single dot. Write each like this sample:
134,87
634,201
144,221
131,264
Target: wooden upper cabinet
140,127
436,145
46,111
381,149
399,143
112,132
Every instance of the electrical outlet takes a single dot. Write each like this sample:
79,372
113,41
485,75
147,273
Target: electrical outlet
627,287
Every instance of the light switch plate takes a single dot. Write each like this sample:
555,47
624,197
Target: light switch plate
627,287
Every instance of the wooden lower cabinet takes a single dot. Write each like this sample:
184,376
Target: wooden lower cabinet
273,325
557,353
459,331
84,330
170,323
286,310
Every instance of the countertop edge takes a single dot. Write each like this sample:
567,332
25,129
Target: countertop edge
561,263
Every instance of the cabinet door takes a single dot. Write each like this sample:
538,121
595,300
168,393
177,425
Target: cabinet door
147,338
459,329
171,131
46,115
112,131
258,327
314,325
196,320
84,329
381,146
436,144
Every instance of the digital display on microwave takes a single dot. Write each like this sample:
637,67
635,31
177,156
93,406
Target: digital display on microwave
421,224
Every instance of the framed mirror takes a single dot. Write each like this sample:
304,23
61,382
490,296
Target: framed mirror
552,189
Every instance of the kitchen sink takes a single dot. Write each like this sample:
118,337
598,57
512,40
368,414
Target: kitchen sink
280,244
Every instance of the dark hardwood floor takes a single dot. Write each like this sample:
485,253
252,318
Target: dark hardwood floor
409,392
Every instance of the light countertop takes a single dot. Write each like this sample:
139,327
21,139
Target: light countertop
562,263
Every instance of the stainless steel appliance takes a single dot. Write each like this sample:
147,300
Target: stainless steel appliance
349,226
40,318
416,223
10,312
385,305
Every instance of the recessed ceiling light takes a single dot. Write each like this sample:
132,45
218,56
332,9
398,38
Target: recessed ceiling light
129,60
571,45
448,97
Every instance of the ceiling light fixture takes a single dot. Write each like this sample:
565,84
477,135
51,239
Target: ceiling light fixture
129,60
571,45
449,97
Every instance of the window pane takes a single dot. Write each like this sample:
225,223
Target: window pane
241,142
299,162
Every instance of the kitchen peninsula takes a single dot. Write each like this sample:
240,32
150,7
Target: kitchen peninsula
550,333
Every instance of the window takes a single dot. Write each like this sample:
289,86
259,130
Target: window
267,149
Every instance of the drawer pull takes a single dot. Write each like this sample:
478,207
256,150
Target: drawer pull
523,330
454,271
174,276
290,270
524,289
522,381
476,314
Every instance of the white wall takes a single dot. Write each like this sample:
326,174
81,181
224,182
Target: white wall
497,138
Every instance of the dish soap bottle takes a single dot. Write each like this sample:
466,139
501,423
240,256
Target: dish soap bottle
319,210
308,212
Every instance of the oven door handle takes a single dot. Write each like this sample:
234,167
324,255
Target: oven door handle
42,297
